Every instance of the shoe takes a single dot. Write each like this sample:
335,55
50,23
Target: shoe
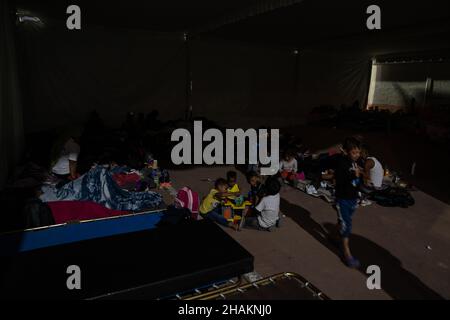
365,203
327,198
301,186
311,190
352,263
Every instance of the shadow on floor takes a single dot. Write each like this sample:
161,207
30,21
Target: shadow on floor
395,280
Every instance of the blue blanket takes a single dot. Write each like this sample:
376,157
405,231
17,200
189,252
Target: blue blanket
97,185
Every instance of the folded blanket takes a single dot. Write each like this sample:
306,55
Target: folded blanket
64,211
98,186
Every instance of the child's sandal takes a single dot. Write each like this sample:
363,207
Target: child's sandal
352,263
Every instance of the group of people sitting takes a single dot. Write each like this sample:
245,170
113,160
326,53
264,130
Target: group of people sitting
348,167
75,150
262,213
297,164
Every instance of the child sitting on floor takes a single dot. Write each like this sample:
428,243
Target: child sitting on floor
373,172
266,212
210,207
232,183
256,187
288,167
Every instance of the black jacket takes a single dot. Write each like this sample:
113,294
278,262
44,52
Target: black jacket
346,181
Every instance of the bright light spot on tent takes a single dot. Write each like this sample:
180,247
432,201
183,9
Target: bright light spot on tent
25,17
32,19
296,52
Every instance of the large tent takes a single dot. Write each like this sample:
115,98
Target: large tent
240,63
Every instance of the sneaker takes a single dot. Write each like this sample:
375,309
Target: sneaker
301,186
326,197
311,190
365,203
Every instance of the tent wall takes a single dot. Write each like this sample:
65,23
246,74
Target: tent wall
11,122
113,71
68,74
333,78
243,84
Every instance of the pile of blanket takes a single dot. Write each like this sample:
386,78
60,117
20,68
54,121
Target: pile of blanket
98,186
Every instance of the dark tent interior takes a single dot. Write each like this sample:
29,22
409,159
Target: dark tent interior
299,65
132,57
238,63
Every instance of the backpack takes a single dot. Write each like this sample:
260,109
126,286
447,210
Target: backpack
186,198
393,197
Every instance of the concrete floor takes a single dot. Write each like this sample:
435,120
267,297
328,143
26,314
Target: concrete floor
411,246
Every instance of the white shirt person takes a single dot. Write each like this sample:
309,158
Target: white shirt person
67,161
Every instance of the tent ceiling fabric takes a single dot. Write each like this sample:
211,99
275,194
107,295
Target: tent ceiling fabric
162,16
310,21
289,22
258,8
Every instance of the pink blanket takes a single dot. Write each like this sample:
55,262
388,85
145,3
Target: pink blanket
64,211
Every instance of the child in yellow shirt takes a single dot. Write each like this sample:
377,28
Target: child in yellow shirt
233,187
210,206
